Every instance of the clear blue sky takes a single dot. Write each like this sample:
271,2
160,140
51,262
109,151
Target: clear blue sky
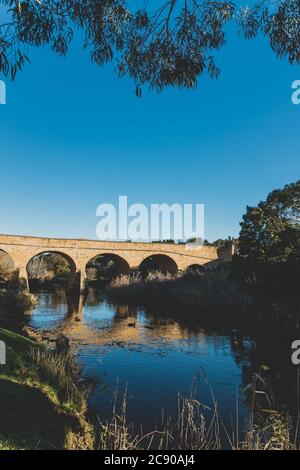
73,135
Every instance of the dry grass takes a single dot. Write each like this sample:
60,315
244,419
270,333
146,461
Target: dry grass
118,434
136,279
189,431
269,427
214,291
274,434
60,372
198,427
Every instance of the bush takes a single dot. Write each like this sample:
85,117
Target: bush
16,302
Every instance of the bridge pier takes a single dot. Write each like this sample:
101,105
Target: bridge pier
77,281
23,279
82,280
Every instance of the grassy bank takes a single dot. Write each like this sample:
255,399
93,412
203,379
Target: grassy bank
41,406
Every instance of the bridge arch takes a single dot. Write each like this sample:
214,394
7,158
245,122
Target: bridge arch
195,268
37,265
106,266
158,262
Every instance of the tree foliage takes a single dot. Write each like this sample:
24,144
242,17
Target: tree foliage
270,232
169,46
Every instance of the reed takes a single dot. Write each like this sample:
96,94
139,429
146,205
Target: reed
210,291
60,372
199,427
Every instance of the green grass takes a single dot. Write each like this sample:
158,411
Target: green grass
37,410
17,341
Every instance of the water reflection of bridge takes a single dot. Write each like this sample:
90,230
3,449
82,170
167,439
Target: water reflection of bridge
152,328
124,323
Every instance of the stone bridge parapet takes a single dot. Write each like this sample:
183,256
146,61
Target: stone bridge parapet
79,252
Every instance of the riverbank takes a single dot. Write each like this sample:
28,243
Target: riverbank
41,404
224,297
35,414
39,386
29,400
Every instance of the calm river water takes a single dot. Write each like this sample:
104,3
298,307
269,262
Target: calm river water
157,354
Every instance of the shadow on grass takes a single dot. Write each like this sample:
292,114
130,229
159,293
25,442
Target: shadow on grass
29,420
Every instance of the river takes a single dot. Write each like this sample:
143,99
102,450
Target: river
157,354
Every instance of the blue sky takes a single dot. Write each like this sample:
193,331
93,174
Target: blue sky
73,135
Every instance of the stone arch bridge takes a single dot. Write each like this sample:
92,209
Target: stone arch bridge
129,255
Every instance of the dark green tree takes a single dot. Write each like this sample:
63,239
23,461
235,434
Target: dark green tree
270,232
167,46
59,266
